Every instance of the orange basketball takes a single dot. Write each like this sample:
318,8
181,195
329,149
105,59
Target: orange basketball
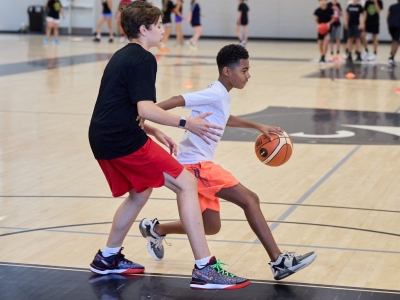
323,28
276,152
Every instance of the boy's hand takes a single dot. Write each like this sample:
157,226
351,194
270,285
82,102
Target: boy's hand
265,129
140,122
166,141
202,128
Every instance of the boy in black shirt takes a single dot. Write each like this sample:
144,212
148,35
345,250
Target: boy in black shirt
130,160
323,14
354,27
393,20
242,21
372,9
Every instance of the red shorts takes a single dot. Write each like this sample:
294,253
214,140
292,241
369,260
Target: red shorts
211,178
140,170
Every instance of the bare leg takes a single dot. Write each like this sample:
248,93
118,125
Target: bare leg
238,34
49,27
185,187
166,34
376,43
101,21
125,215
179,34
338,45
364,40
55,30
358,45
320,47
211,220
197,34
325,44
246,33
110,29
395,45
250,204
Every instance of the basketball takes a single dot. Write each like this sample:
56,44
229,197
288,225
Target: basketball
323,28
276,152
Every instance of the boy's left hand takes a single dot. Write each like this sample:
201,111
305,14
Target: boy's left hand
167,141
140,122
265,129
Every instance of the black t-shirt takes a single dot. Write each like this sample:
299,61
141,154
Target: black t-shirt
394,15
106,8
244,9
54,7
128,78
336,15
372,14
355,11
324,15
167,13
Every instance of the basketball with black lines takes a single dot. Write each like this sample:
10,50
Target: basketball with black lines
274,152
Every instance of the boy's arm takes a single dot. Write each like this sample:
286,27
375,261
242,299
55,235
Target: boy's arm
316,20
176,101
147,109
377,7
162,138
242,123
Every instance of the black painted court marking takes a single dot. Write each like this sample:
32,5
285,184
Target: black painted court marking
51,63
221,200
313,188
251,58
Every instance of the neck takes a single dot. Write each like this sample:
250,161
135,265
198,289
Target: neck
141,43
225,83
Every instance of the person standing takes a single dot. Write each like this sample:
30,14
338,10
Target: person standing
168,7
336,29
372,9
323,14
178,21
105,17
393,20
242,22
54,8
354,27
194,20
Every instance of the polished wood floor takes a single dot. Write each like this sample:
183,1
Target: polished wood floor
341,200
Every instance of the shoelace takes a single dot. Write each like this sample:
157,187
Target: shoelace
159,241
217,266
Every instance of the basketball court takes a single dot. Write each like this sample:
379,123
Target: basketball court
338,195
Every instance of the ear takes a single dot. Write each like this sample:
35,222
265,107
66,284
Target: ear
226,71
143,30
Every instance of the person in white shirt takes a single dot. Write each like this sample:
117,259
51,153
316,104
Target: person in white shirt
214,182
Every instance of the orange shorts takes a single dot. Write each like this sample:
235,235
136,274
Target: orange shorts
211,178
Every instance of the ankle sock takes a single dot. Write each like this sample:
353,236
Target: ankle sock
107,252
200,263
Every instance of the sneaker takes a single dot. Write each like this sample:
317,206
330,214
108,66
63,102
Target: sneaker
365,56
154,240
392,62
213,277
372,57
117,264
322,61
57,41
46,41
96,39
289,263
358,58
111,40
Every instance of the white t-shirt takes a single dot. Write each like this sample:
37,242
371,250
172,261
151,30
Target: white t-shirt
215,98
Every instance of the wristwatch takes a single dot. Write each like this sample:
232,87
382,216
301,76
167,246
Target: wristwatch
182,122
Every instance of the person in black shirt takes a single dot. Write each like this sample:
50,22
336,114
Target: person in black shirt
242,21
336,29
132,162
372,9
168,8
54,8
393,20
354,27
323,14
106,16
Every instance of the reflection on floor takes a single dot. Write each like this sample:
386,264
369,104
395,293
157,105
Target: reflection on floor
35,282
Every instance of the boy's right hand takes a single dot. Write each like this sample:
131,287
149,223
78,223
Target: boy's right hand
202,128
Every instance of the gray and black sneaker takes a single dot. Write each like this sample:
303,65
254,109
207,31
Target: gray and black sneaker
154,240
289,263
213,277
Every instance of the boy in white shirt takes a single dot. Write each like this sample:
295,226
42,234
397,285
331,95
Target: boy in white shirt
213,181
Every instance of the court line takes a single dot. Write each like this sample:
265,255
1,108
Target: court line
313,189
223,201
261,281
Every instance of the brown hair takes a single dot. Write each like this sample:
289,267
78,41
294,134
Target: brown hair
136,14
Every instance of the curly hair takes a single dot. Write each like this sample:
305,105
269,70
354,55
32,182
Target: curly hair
230,56
136,14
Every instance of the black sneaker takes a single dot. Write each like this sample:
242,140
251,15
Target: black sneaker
289,263
111,40
213,277
392,62
154,240
117,264
96,39
358,58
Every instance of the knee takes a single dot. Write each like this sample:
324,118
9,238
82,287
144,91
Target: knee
211,229
251,201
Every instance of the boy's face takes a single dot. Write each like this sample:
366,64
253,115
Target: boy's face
323,3
155,34
239,74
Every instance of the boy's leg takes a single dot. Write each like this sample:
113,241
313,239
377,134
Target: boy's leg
376,43
250,204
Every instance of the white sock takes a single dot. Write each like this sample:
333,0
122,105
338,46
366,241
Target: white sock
110,251
200,263
98,36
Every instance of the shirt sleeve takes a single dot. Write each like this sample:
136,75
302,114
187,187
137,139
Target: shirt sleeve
316,12
193,7
199,99
142,81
